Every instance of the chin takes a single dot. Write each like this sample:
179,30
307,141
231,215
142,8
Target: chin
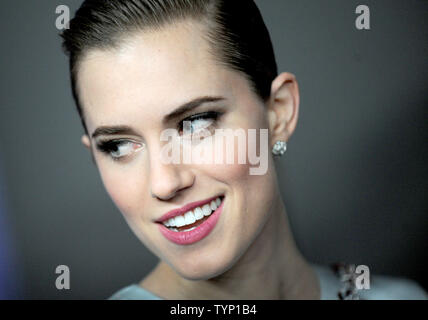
203,267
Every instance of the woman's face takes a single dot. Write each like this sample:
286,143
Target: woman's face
137,86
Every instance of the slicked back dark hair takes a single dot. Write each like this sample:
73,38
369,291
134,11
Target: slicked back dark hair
236,32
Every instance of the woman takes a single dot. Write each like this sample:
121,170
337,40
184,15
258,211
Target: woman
141,67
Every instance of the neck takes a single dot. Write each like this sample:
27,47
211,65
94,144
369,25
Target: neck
272,268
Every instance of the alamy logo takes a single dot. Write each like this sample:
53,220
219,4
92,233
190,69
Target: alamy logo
203,147
63,280
363,20
63,20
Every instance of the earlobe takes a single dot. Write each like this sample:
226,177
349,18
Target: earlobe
86,142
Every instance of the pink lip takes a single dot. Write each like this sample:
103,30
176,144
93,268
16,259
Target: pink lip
184,209
195,235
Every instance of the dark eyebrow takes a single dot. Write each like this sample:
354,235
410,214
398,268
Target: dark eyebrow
126,130
188,106
110,130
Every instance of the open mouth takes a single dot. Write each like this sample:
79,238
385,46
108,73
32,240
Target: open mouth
193,218
193,222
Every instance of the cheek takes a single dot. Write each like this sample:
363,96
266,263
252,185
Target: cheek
250,195
125,188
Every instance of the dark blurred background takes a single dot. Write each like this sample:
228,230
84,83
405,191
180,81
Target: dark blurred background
354,177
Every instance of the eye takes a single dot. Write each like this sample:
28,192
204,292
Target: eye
118,149
198,122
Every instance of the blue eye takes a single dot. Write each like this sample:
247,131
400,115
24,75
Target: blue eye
118,149
199,121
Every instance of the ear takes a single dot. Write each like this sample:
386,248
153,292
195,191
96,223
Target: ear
86,142
283,107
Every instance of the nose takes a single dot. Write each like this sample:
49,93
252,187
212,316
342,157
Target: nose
166,180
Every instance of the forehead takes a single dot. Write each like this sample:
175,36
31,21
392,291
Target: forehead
149,75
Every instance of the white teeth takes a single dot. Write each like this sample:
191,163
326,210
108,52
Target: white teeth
206,209
198,213
171,222
179,221
189,229
189,217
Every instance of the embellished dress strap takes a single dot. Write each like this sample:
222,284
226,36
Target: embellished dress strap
347,275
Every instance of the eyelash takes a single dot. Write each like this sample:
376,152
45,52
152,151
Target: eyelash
109,146
209,115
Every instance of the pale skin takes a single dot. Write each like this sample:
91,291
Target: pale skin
251,253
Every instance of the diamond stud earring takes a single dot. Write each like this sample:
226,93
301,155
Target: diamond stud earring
279,148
